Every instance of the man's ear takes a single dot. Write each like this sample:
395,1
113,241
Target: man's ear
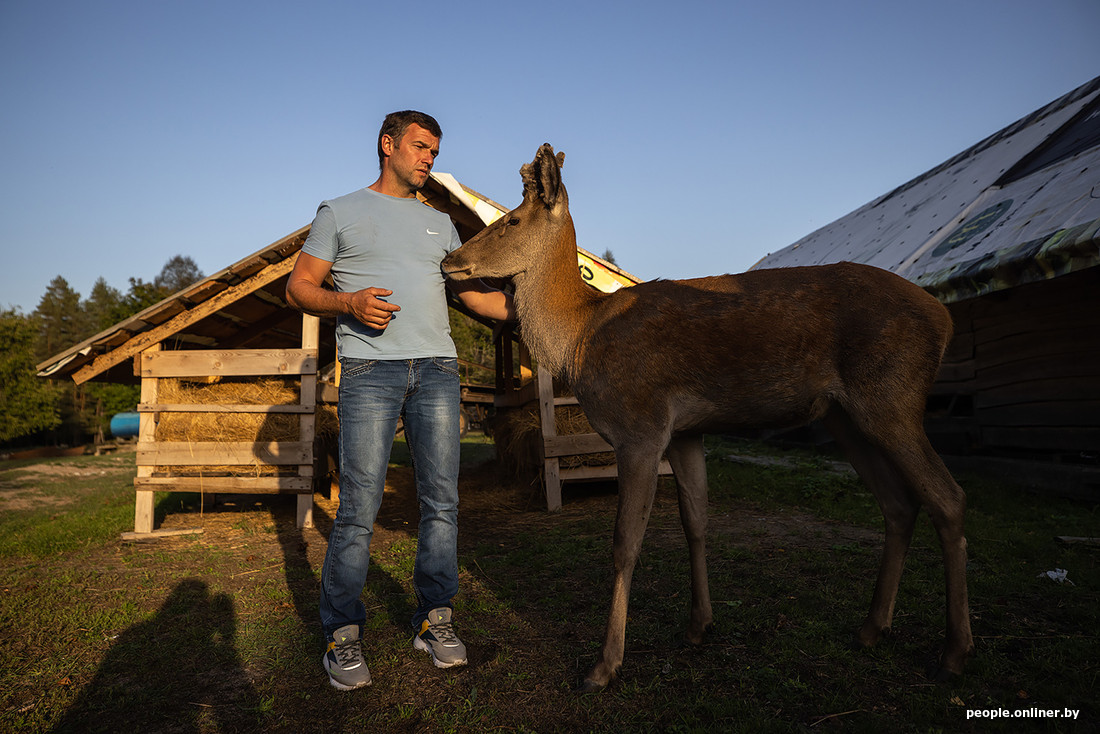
387,144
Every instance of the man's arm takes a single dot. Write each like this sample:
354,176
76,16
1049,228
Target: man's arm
483,300
305,291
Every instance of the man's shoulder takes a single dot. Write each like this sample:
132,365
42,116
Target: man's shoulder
366,199
355,198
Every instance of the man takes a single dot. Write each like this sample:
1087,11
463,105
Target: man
397,360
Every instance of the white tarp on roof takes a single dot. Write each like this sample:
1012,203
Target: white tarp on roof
1020,206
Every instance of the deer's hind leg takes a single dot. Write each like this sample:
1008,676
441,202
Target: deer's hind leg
915,476
945,503
689,466
899,511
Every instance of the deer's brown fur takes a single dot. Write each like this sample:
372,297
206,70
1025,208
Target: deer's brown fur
658,364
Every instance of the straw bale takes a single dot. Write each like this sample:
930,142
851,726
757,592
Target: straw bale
235,427
518,445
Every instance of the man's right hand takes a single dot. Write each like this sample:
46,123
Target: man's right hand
368,307
305,292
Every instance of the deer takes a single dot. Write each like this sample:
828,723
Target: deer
656,365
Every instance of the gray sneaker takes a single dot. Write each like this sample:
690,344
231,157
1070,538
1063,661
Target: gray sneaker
437,638
347,670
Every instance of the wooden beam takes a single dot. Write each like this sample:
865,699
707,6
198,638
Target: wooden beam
145,339
260,330
223,453
574,444
152,534
549,424
147,433
610,471
212,408
248,362
307,422
229,485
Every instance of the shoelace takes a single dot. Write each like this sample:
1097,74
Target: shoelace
348,654
445,633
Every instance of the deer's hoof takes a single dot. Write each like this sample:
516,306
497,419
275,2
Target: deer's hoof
860,642
949,668
696,638
941,674
588,686
868,636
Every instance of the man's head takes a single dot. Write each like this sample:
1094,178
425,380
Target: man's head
396,123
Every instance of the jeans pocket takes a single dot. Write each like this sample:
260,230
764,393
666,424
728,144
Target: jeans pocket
448,365
352,367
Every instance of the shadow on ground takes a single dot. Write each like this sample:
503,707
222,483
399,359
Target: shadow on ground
177,672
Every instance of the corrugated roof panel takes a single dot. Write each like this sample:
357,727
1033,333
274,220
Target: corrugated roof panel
957,217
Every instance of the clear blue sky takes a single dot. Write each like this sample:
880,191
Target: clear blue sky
699,136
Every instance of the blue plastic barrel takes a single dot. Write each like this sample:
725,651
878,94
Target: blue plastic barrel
124,425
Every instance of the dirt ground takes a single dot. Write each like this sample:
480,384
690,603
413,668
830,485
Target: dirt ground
251,566
493,505
24,495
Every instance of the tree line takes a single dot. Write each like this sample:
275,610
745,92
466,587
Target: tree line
34,411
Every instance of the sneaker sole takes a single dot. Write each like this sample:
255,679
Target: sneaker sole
419,644
337,684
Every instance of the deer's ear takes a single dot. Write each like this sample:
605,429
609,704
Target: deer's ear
530,180
549,175
542,176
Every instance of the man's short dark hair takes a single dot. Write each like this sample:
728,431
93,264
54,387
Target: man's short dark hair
396,123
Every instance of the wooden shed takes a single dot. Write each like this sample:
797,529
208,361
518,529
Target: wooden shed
1006,234
236,326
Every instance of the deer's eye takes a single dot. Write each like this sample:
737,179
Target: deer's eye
513,221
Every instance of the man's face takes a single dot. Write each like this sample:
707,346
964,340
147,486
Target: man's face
411,158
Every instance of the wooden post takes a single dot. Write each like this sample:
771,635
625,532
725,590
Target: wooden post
147,433
311,339
506,381
549,429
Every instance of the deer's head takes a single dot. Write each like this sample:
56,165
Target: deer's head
523,236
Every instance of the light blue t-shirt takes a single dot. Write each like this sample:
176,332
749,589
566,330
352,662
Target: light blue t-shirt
375,240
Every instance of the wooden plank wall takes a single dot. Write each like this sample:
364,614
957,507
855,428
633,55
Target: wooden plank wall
153,364
1023,371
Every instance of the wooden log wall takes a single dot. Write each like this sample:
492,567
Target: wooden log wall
1022,376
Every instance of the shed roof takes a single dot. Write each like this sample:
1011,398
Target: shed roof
244,305
1020,206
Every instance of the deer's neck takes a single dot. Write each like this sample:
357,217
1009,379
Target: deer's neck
554,306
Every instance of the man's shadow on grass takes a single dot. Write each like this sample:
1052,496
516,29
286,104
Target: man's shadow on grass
179,671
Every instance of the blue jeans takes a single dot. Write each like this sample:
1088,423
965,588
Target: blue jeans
373,395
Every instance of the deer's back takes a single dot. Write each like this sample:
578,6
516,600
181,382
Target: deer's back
774,345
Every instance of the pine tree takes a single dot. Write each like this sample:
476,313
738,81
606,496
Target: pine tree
102,306
61,320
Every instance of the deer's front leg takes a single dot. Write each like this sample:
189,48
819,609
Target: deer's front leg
637,487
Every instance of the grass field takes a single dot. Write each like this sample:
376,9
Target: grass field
217,631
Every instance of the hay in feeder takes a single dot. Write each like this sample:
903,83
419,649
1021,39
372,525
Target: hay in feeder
198,427
518,435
